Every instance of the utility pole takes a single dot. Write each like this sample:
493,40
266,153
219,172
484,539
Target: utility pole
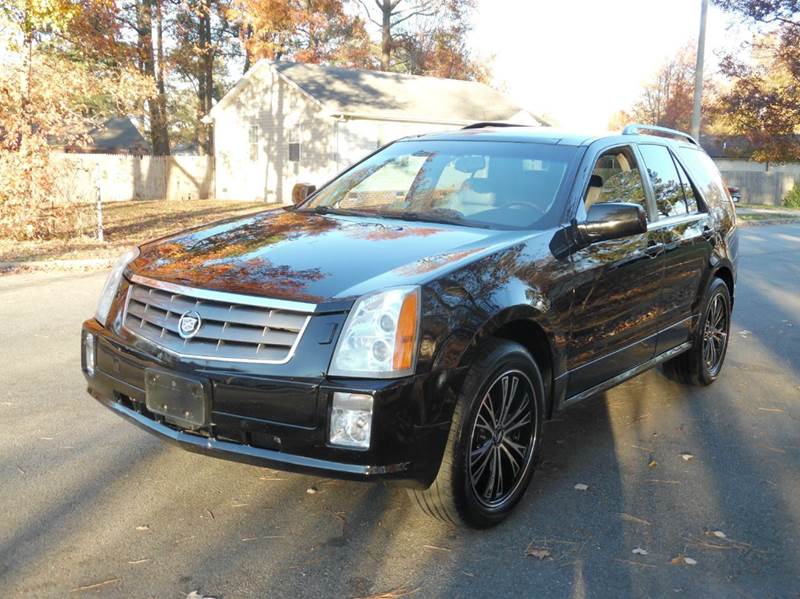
698,72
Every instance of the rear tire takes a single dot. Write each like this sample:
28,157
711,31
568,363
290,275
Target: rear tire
494,441
702,364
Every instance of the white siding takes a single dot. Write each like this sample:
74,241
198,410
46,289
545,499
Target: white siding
252,137
359,137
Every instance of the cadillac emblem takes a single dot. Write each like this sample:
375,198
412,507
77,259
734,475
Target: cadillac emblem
189,324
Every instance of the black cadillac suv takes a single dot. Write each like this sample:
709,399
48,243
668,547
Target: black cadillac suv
421,315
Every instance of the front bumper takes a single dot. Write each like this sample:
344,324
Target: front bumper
407,437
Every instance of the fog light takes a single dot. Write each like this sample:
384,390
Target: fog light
88,353
351,420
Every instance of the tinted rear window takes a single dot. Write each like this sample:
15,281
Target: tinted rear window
705,176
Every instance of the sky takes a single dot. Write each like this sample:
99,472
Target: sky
580,61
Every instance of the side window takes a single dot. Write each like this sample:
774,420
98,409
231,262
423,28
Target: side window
705,175
667,186
691,200
615,178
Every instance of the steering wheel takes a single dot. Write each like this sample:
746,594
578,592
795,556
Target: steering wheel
524,204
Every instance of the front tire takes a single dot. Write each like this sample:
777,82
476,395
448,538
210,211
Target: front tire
702,364
494,441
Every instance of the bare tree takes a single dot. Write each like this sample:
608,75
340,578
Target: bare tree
391,15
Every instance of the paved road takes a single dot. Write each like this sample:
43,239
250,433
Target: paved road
87,499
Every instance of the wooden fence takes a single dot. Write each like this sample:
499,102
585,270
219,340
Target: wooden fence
128,177
760,183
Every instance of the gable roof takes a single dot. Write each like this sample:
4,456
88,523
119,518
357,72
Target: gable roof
391,96
116,135
119,133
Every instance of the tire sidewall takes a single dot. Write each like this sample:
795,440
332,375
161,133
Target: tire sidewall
717,287
508,356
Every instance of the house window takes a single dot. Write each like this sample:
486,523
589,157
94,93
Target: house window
253,141
294,151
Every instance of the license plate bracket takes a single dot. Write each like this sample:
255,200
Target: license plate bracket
181,400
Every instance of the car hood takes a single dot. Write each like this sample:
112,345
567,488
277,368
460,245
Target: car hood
312,257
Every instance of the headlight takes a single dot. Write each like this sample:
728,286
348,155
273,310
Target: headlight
351,420
112,284
380,336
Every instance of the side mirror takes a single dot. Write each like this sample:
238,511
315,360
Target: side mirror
612,220
301,191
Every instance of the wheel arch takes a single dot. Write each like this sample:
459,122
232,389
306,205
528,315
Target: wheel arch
524,325
725,273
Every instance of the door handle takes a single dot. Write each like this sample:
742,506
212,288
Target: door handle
709,235
654,248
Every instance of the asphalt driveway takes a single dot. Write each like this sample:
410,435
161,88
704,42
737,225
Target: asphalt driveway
690,492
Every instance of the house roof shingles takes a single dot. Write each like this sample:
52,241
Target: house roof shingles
395,96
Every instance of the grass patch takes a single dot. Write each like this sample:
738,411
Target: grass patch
769,217
127,224
767,207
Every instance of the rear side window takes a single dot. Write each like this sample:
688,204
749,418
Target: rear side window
705,175
665,180
691,200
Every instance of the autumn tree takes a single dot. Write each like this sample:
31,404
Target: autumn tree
314,31
425,37
761,102
204,36
49,93
666,100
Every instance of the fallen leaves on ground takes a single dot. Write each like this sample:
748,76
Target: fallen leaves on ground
686,456
651,462
436,548
539,553
681,560
633,519
402,591
96,585
312,490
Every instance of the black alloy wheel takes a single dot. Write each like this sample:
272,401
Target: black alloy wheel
503,437
494,440
715,334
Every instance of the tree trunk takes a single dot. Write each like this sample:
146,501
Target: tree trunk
158,127
205,88
248,33
386,34
162,94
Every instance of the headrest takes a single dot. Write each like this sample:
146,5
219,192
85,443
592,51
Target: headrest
479,185
595,181
469,164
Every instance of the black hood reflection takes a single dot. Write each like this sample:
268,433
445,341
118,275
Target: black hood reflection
309,257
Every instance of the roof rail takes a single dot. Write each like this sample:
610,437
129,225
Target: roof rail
483,124
637,128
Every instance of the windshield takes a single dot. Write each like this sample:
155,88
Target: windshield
505,184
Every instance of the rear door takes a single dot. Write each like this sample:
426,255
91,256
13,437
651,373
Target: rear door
685,234
615,315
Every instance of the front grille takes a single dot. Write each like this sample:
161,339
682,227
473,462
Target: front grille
234,328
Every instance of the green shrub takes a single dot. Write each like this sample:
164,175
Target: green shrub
792,199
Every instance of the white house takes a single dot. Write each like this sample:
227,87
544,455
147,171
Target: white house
287,122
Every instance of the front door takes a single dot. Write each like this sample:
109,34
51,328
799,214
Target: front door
686,234
617,284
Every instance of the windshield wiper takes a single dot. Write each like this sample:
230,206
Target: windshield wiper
430,216
332,210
